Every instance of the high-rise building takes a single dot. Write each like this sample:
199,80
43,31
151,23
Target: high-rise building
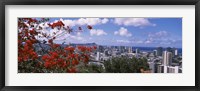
106,52
137,51
130,50
152,67
169,49
176,52
171,69
180,70
155,53
100,48
122,49
98,56
161,69
159,51
167,58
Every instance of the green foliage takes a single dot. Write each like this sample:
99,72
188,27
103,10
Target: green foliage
92,68
29,67
125,65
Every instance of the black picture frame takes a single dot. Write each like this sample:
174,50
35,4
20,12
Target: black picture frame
99,2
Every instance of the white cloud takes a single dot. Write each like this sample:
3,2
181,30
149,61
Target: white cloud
97,32
123,41
69,37
84,21
148,41
159,34
123,32
78,33
105,20
70,23
136,22
139,41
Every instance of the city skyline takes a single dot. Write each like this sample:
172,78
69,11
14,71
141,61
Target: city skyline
138,32
94,45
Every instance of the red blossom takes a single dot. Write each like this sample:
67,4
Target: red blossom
70,49
95,47
71,70
89,27
50,41
56,24
45,57
47,64
54,55
75,62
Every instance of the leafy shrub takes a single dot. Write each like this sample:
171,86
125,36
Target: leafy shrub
125,65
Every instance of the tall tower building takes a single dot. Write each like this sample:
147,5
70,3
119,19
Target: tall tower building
98,56
159,51
171,69
155,53
167,58
130,50
137,51
176,52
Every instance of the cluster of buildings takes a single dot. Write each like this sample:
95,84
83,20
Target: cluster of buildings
171,61
160,60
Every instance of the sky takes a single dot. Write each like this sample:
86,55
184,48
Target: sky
138,32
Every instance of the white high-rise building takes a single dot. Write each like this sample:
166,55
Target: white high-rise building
98,56
176,52
162,69
167,58
130,50
136,52
171,69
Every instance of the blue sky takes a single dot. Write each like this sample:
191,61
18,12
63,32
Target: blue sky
140,32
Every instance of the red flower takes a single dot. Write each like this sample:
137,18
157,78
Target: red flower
89,27
60,61
32,20
45,57
50,41
29,42
68,62
47,64
89,49
54,63
56,45
64,65
95,47
86,58
25,58
20,59
70,49
59,24
82,48
54,55
34,55
75,62
71,70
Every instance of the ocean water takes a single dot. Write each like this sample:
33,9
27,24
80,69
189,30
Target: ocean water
150,49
